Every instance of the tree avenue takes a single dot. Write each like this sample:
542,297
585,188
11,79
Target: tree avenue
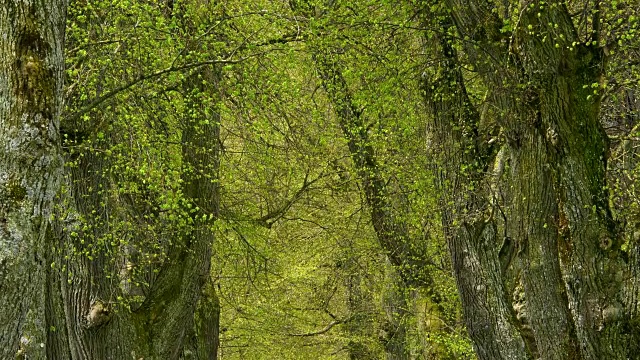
319,179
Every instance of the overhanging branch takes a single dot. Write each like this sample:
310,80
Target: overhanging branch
98,101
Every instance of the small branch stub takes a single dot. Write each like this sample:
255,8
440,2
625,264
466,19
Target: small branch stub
99,314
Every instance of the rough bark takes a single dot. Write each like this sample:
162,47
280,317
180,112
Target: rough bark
86,290
468,221
566,300
85,266
543,312
31,70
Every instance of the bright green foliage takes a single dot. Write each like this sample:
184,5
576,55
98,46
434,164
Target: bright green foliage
295,242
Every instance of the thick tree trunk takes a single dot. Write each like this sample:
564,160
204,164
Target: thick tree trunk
470,231
469,218
564,273
86,268
31,70
88,300
95,313
531,219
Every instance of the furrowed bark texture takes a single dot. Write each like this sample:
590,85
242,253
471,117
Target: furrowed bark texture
543,313
560,257
86,273
87,289
97,314
470,230
31,76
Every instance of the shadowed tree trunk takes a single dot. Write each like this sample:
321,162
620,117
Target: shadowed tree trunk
165,324
89,313
471,232
176,293
83,269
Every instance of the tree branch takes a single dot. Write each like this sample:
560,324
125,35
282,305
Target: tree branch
323,331
96,102
269,219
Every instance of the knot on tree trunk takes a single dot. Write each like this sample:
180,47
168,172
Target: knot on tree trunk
99,314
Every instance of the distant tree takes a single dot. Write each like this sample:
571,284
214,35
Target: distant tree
409,252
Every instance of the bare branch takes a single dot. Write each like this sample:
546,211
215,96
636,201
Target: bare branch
323,331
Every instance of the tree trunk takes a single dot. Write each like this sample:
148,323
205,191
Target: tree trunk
86,267
469,225
560,257
176,292
92,312
31,76
408,258
91,297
